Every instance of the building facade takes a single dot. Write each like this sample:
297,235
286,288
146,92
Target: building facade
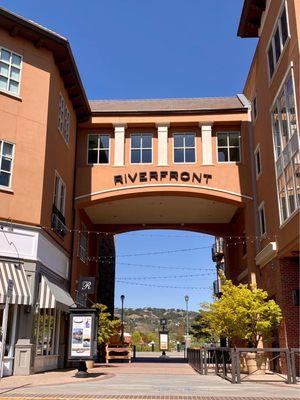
74,173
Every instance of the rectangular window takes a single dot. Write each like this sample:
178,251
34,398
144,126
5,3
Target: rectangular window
184,148
286,149
6,162
83,244
10,71
257,161
98,149
141,149
229,147
277,41
60,194
254,107
262,219
63,119
46,332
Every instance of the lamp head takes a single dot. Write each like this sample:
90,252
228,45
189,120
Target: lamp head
186,298
122,297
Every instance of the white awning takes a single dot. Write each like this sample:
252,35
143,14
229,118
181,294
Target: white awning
53,296
21,292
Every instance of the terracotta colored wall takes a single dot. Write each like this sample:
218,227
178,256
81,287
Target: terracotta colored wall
59,156
24,123
229,177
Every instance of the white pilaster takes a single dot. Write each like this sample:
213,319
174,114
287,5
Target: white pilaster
206,144
162,135
119,145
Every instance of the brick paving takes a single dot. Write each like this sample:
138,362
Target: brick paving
141,380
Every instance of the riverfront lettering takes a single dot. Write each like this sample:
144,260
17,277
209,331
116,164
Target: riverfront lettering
162,176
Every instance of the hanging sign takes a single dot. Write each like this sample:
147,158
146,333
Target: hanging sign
86,284
164,340
83,334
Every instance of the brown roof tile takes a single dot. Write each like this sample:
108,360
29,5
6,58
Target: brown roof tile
167,105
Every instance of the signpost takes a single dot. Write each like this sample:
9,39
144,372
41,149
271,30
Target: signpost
83,337
164,342
9,292
164,337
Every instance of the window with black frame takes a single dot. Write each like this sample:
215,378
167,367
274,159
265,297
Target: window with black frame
184,148
98,149
141,148
229,147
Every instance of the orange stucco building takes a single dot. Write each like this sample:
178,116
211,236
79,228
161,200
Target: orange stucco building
74,173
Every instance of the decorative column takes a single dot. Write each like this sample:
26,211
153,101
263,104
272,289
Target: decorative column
119,160
206,143
162,134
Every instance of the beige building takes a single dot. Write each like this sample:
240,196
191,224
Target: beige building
74,173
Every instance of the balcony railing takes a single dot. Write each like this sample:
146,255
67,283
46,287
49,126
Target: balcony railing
58,222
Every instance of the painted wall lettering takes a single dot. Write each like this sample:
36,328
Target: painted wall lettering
162,176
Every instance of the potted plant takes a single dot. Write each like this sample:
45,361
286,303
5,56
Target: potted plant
243,313
107,327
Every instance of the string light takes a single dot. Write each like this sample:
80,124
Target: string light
163,277
165,267
105,233
164,286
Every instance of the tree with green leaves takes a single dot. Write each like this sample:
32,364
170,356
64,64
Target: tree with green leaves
136,338
241,313
107,327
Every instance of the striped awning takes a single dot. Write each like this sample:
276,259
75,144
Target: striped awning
21,292
53,296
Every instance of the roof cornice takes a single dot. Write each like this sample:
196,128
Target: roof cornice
62,53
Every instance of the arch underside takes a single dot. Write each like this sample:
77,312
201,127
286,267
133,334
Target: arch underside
198,212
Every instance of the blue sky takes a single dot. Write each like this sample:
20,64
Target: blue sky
153,49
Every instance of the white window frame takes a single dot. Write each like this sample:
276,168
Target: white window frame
228,147
45,332
141,148
272,41
257,152
9,71
262,213
184,147
279,159
64,119
57,199
12,162
98,148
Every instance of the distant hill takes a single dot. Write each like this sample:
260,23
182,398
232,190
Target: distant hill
147,320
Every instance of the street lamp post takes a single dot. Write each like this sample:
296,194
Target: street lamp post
186,298
122,317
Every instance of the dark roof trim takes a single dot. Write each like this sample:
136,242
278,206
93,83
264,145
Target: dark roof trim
173,112
251,18
62,52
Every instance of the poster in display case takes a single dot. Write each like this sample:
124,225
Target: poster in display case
83,334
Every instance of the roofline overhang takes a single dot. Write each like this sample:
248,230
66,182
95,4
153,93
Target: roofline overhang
62,52
172,112
251,18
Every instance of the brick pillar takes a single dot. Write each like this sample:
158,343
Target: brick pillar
106,286
289,273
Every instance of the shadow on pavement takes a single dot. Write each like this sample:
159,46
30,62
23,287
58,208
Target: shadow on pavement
159,360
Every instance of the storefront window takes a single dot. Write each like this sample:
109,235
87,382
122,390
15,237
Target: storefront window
46,329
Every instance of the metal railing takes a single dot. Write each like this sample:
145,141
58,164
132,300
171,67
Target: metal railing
295,364
237,365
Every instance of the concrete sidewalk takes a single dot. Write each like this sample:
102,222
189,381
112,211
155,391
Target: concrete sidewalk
151,380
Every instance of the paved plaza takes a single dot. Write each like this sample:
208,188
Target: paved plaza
149,378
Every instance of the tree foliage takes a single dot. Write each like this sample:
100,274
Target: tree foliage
107,327
241,313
